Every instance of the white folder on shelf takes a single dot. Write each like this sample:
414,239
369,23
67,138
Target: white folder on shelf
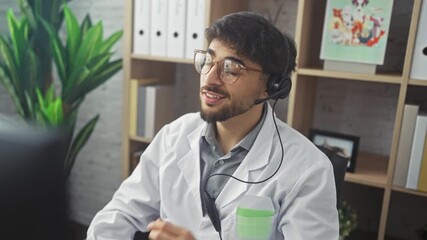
417,152
419,60
159,14
154,109
407,131
141,26
195,39
176,28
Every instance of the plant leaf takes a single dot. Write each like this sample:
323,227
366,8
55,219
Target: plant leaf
58,51
78,142
73,35
109,42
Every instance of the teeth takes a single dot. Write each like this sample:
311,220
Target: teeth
212,96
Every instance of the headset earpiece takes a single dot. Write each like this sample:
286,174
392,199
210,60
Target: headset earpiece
280,86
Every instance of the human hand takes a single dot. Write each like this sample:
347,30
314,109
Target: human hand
162,230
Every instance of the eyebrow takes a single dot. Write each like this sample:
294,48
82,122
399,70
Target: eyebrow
235,59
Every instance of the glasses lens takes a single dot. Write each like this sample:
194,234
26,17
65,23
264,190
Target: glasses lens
202,62
230,71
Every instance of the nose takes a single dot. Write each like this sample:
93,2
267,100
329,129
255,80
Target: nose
212,77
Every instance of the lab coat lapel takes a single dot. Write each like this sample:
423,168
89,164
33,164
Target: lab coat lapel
190,166
252,166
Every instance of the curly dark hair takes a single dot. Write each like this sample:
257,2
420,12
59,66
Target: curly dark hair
253,37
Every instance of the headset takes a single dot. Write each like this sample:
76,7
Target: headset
278,87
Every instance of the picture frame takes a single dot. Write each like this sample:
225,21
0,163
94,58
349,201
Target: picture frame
341,144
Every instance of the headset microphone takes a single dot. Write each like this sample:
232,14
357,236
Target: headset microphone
276,95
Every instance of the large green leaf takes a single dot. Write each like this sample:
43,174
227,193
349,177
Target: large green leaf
86,25
7,58
73,35
107,44
102,76
58,51
78,142
88,45
11,90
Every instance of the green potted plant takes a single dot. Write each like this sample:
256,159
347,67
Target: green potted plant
422,232
347,219
82,63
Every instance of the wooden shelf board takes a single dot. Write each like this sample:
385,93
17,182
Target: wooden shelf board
146,81
381,77
140,139
409,191
161,59
418,82
371,170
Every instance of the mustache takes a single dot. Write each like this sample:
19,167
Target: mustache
214,89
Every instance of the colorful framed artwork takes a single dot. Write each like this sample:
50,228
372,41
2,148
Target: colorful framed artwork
356,30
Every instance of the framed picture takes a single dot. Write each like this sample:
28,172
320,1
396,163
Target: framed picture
341,144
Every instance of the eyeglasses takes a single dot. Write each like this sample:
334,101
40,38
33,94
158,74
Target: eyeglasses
228,70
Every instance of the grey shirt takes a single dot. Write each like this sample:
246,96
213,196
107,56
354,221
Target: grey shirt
213,160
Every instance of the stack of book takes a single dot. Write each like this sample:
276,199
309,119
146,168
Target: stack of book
411,162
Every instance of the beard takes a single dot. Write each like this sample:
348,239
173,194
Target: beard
228,110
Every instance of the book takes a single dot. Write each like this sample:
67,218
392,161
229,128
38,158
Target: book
422,180
356,31
407,129
416,152
154,109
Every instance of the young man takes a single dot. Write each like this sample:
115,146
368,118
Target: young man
184,176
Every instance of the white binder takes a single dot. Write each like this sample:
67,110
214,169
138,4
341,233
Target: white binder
141,26
176,28
195,27
419,60
417,152
159,14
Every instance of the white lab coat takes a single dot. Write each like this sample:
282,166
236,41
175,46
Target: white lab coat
166,184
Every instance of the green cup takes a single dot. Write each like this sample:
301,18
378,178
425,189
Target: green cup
253,224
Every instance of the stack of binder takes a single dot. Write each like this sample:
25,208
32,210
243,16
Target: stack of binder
169,29
411,162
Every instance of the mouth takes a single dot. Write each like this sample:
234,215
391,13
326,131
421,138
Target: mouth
212,98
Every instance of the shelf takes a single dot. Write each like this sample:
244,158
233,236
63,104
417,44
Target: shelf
161,59
146,81
371,170
140,139
417,82
379,78
409,191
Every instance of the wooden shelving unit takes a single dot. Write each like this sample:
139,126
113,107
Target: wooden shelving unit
146,69
371,170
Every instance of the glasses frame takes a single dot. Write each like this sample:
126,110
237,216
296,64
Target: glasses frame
215,61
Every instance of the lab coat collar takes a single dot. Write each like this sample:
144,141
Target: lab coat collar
190,165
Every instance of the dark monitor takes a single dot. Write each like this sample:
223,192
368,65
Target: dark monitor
32,195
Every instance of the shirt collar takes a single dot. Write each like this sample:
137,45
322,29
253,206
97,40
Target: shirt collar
246,143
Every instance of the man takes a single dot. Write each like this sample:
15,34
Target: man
184,176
